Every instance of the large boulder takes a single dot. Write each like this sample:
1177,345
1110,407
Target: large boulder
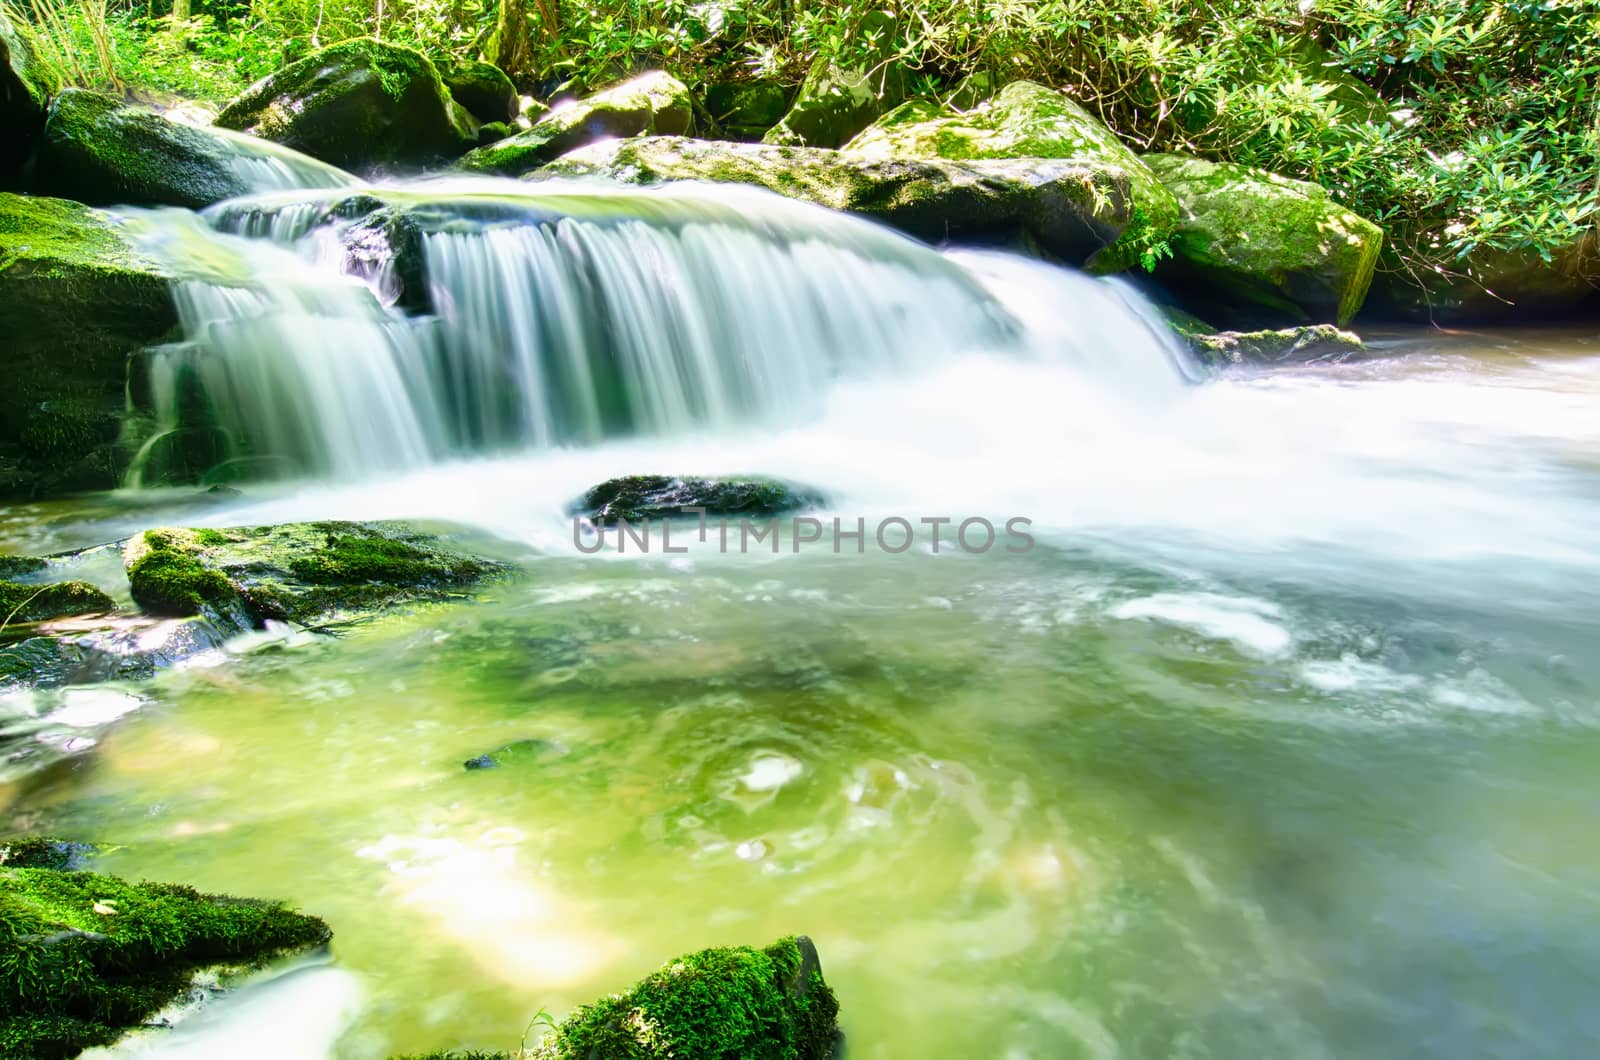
85,957
25,88
1256,248
1490,286
77,301
718,1004
100,151
652,103
298,572
1069,209
837,101
362,104
483,89
1027,120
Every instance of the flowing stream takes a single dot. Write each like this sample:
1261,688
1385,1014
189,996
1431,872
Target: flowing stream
1280,741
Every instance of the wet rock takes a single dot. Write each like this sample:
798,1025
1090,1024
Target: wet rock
296,572
358,105
483,89
25,87
729,1002
43,852
650,103
80,651
103,152
1070,209
11,566
85,957
1255,248
1319,342
28,602
77,300
640,497
515,752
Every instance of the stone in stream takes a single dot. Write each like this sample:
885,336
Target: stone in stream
482,88
1029,121
29,602
298,572
77,300
654,102
359,105
1302,345
636,498
514,752
85,957
1257,249
732,1003
103,152
1070,208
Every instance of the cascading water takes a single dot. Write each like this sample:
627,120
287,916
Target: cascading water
559,315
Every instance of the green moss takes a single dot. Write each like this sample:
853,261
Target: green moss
38,603
84,956
168,576
718,1004
10,566
352,558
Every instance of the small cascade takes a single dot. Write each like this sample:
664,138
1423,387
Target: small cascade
358,332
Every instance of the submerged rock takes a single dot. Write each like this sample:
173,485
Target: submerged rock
651,103
483,89
21,602
1318,342
25,87
636,498
1254,247
736,1003
76,300
835,102
103,152
298,572
1069,209
357,105
85,957
81,651
514,752
1028,120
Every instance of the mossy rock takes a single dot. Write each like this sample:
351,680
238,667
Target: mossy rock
483,89
1256,248
747,110
21,602
299,572
84,957
77,300
835,102
103,152
1303,345
636,498
1025,121
44,852
25,88
359,105
1071,210
11,566
1490,286
736,1003
652,103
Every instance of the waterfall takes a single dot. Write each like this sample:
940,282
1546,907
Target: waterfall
360,331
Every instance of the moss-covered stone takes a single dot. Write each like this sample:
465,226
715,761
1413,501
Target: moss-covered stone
648,104
746,110
483,89
359,105
1302,345
1071,210
103,152
11,566
1023,121
636,498
719,1004
43,852
37,603
297,572
84,957
76,300
835,102
1256,248
25,88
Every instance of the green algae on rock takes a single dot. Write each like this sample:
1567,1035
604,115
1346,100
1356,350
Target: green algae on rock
1071,210
296,572
1255,247
85,957
1026,120
357,105
37,603
103,152
652,103
736,1003
1301,345
635,498
77,301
